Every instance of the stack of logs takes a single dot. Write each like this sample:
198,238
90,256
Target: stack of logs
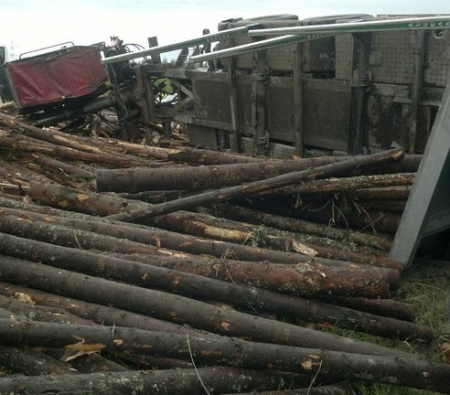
130,269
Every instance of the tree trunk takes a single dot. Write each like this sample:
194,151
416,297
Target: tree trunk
207,226
247,298
345,184
176,308
252,188
30,362
28,144
335,389
388,193
97,204
305,278
101,314
199,177
301,226
207,157
216,380
323,365
254,299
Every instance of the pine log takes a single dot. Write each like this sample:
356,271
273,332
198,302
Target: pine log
199,177
66,168
255,300
200,287
93,362
199,224
98,204
26,310
388,193
254,187
301,226
383,307
101,314
335,389
197,156
28,144
216,380
26,360
346,184
176,308
304,278
55,138
323,365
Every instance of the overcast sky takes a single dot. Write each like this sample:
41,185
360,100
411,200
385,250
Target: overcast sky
31,24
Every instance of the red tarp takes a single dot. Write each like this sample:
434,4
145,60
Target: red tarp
57,76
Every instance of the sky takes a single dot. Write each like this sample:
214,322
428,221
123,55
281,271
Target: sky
27,25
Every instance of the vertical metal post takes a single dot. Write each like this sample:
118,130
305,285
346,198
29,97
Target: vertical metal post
360,82
298,100
261,136
153,42
416,88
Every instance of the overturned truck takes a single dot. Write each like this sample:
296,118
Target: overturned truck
349,84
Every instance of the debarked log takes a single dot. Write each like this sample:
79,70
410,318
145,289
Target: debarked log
198,177
177,308
323,365
216,380
248,298
252,188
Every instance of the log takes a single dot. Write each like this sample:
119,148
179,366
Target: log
335,389
197,156
301,226
97,204
251,299
346,184
26,360
322,365
200,224
101,314
28,144
252,188
176,308
389,193
199,177
54,138
216,380
304,278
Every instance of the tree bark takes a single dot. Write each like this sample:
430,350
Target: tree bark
334,389
302,226
346,184
199,224
199,287
207,157
97,204
323,365
28,144
151,382
304,278
388,193
176,308
199,177
252,188
101,314
30,362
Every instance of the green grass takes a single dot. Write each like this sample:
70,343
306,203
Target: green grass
425,286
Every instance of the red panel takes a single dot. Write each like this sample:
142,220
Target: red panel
57,76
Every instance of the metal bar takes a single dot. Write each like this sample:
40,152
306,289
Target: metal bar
420,23
427,210
258,46
207,38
